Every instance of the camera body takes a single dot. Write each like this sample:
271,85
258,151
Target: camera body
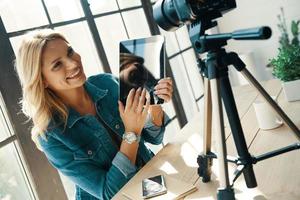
172,14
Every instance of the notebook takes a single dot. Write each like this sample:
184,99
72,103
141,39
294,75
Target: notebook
177,189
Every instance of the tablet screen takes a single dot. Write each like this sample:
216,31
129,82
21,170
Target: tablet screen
142,64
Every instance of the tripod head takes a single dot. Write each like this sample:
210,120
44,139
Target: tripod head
213,43
203,43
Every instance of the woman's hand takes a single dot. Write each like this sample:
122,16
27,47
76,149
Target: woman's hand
135,113
164,89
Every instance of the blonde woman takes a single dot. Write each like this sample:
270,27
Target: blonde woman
80,125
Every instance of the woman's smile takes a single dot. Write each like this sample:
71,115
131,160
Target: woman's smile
76,74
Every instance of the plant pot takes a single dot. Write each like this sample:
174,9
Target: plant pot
292,90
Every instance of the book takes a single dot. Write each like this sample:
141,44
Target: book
176,189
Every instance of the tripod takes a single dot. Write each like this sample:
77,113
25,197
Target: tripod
217,87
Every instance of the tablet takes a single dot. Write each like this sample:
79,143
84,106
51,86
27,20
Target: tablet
141,64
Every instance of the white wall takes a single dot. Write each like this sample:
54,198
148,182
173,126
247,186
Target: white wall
253,13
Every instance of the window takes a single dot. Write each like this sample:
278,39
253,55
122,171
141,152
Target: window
183,38
184,89
64,10
13,180
184,66
99,7
19,14
193,72
172,46
14,183
128,3
111,30
131,19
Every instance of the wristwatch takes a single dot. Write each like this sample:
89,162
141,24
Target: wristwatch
131,137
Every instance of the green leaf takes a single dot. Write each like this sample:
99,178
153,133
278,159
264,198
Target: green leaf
294,28
286,66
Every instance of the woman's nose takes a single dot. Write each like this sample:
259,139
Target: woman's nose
71,63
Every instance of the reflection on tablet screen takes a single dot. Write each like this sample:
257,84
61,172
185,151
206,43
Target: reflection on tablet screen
142,64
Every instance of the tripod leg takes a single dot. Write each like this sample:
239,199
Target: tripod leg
225,191
233,58
220,136
204,161
271,102
237,131
207,117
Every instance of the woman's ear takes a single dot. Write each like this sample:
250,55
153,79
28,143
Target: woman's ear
45,83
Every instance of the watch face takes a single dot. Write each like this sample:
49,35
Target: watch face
130,137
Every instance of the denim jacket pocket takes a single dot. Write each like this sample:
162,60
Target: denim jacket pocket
90,151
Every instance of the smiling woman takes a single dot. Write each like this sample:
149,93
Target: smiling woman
30,74
90,137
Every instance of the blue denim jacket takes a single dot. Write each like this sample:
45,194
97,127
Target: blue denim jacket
85,152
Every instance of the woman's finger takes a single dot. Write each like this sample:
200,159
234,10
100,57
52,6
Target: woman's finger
136,99
165,91
166,98
121,108
163,85
141,101
129,99
146,108
166,80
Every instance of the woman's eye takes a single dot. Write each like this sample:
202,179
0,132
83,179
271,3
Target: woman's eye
57,65
70,51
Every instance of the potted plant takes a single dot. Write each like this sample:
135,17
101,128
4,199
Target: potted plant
286,66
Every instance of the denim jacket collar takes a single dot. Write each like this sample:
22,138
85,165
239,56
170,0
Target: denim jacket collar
95,93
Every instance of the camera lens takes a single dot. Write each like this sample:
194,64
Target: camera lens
172,14
164,13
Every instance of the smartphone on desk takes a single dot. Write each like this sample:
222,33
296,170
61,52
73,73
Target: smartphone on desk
154,186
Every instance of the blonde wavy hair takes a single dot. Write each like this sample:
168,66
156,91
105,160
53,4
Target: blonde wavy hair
38,103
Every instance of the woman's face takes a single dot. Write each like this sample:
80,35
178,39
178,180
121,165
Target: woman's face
61,66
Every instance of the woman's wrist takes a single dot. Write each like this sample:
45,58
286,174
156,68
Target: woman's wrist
133,130
129,150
